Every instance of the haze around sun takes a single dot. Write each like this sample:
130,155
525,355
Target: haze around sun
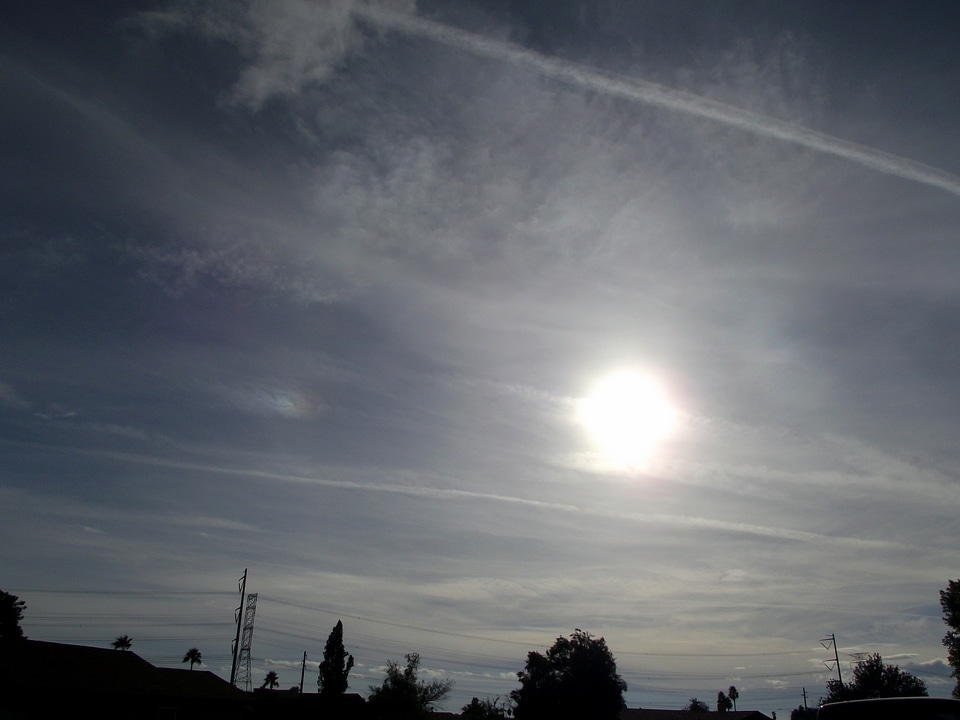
627,414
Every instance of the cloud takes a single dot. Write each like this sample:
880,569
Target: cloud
415,489
936,673
183,269
118,430
386,268
286,402
735,575
292,44
289,45
650,93
206,522
12,399
51,411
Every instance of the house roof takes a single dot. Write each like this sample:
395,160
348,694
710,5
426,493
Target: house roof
38,665
648,714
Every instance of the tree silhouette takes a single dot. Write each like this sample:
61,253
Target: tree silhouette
485,709
402,695
697,706
733,694
193,657
576,680
950,603
11,613
336,664
270,681
724,703
803,713
123,642
873,679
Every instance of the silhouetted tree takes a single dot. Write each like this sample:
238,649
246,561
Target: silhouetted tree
11,613
724,703
336,664
123,642
697,706
803,713
734,695
270,680
576,679
950,603
402,695
193,656
873,679
486,709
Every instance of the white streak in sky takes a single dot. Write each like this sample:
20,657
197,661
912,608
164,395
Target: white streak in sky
651,93
453,494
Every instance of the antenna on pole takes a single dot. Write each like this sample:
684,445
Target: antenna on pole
238,617
827,643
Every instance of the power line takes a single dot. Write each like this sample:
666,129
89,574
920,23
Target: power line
716,655
493,669
467,636
151,593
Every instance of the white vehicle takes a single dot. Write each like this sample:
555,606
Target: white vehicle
908,708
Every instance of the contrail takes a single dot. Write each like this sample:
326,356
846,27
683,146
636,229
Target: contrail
643,91
456,494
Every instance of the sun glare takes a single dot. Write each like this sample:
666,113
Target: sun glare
627,414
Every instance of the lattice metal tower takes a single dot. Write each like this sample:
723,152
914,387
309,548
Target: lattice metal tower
243,662
237,618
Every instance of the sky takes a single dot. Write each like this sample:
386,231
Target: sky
475,322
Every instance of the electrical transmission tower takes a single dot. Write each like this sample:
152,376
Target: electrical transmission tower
836,657
237,616
243,662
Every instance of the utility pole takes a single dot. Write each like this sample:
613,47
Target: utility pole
804,698
836,656
238,616
303,669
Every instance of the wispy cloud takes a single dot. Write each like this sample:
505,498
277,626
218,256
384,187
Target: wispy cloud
327,280
647,92
12,399
178,270
290,44
206,522
45,410
452,494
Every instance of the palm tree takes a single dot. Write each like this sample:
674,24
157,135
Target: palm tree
733,695
271,680
723,702
192,657
122,643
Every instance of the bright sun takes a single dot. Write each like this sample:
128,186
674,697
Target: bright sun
627,414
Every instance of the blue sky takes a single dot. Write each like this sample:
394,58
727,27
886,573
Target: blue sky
319,289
